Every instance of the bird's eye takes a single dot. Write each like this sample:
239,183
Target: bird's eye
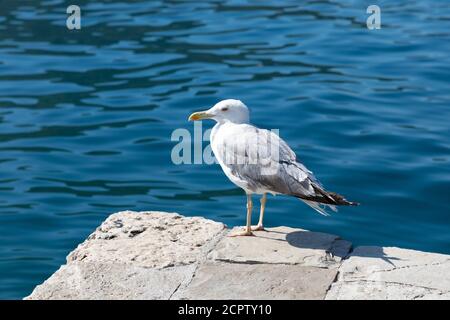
225,109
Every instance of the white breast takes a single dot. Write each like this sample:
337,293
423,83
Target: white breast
219,136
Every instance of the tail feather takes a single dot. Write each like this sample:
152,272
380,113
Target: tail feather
327,197
320,208
323,200
339,200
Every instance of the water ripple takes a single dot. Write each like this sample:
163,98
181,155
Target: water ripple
86,116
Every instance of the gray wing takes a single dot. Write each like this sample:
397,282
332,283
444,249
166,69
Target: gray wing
266,162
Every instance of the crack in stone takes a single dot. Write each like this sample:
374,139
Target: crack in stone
327,263
335,280
411,266
396,283
212,245
338,273
366,274
176,289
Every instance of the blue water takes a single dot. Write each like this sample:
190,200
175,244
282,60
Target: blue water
86,117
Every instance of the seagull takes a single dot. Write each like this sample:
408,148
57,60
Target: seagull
260,162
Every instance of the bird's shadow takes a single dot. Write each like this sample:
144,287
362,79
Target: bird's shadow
320,241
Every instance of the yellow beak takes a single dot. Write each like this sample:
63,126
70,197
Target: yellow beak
199,116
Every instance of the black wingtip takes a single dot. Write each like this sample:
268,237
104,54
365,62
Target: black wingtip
340,200
326,197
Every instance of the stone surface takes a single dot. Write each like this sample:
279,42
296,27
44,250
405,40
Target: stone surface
97,281
392,273
158,255
145,255
258,281
148,239
283,245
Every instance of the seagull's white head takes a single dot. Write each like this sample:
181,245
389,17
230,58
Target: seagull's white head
229,110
